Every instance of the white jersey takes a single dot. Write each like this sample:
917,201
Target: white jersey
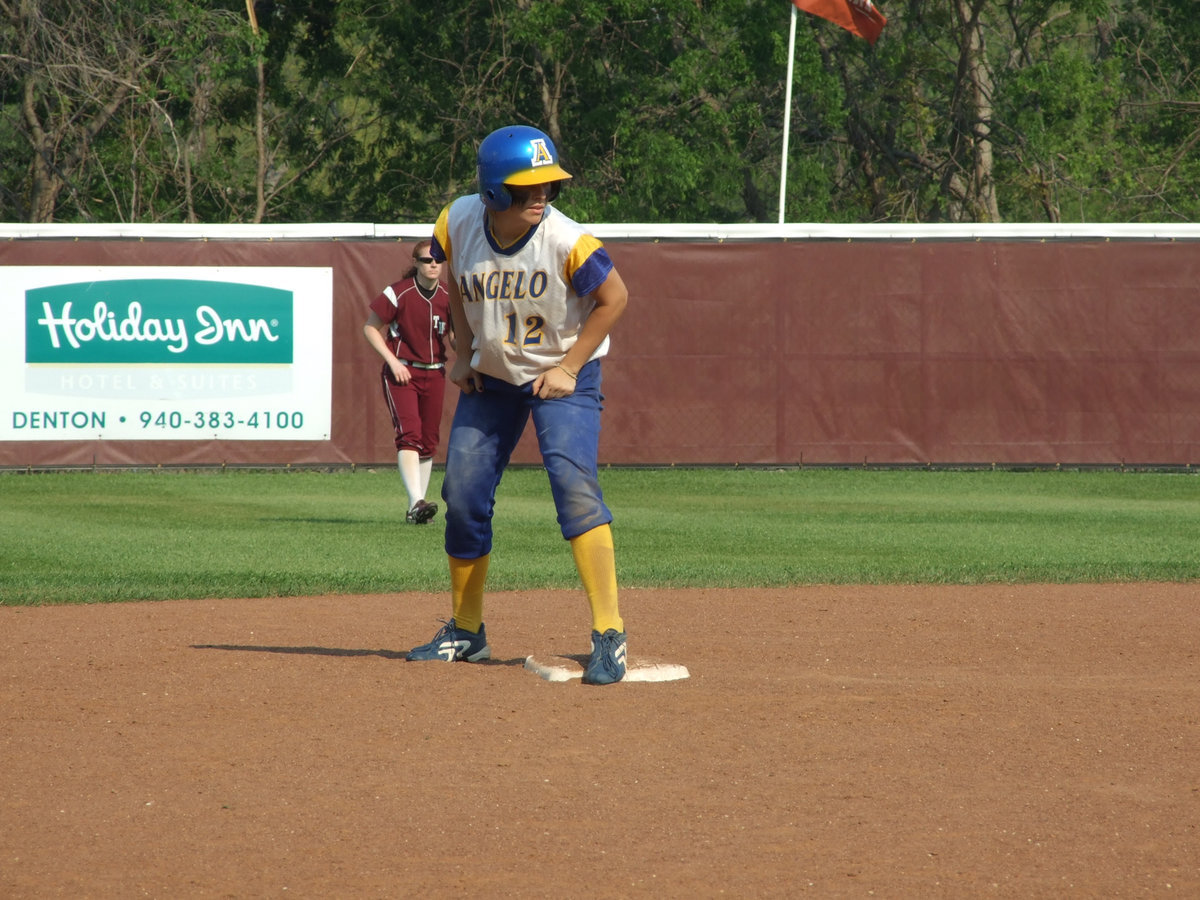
527,302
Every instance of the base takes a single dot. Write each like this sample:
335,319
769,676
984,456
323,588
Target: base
564,668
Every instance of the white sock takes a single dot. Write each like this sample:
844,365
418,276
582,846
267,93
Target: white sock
426,472
410,474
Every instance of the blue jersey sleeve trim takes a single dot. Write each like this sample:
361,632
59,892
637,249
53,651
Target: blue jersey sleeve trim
592,273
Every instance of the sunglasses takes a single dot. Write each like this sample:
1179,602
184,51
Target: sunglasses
521,195
426,259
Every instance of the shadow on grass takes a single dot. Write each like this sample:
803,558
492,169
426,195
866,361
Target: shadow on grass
317,520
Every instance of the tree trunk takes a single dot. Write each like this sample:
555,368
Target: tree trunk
971,153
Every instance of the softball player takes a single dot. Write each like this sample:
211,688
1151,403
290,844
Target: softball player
533,296
408,327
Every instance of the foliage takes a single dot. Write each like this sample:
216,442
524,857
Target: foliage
107,106
964,110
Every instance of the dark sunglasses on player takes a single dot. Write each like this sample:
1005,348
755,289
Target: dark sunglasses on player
521,195
426,259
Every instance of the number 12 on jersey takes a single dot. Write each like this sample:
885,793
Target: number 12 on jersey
534,326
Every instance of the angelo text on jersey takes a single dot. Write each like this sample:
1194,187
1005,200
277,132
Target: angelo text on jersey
503,284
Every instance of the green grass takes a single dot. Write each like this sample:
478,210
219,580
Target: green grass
145,535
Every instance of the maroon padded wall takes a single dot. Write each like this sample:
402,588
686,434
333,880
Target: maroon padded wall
814,352
909,352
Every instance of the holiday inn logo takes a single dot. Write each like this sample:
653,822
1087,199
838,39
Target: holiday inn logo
159,320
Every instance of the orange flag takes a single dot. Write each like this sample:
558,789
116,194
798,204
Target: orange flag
859,17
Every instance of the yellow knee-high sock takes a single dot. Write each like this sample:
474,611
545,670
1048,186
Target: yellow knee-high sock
597,565
466,591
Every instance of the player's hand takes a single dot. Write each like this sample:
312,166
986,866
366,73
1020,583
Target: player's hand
468,380
400,372
553,383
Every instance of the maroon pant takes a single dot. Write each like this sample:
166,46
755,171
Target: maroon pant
416,408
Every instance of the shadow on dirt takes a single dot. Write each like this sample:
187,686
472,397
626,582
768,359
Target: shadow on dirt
337,651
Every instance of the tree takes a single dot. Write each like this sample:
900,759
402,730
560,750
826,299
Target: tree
659,111
91,97
963,111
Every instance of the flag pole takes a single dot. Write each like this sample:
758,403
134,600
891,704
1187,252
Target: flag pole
787,115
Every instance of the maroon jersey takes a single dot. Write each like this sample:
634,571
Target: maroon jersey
417,320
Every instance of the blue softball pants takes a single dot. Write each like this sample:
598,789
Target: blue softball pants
484,433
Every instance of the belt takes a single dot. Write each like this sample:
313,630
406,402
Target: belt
421,365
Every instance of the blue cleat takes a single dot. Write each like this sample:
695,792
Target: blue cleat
453,644
606,665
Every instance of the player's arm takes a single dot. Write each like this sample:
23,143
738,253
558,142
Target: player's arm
611,297
451,336
461,373
462,337
374,331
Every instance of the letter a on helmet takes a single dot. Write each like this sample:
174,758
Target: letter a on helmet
518,155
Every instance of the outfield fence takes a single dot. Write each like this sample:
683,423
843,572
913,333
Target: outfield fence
792,345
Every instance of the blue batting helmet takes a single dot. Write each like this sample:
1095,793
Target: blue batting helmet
518,155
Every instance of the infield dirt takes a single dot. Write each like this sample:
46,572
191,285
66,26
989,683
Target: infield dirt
999,741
